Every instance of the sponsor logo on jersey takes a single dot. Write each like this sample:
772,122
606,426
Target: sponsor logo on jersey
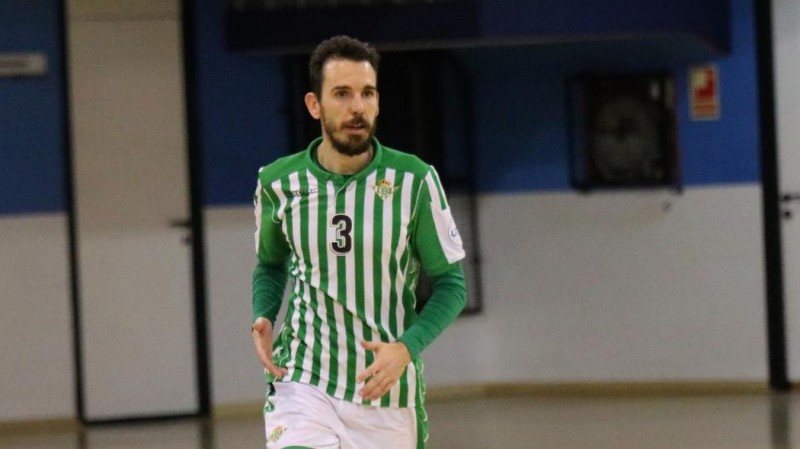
384,189
276,434
297,193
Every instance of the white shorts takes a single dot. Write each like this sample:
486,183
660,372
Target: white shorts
301,416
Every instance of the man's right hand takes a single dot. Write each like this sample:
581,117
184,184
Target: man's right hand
262,339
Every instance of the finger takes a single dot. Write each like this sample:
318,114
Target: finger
272,368
278,371
377,389
269,365
368,391
380,383
367,373
264,354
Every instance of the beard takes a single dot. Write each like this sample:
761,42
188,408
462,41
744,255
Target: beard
350,144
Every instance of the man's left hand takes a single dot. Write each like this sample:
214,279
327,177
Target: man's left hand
391,360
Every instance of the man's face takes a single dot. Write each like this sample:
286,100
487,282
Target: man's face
348,107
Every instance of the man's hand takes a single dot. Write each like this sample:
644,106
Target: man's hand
391,360
262,339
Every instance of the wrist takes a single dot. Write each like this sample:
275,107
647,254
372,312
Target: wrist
260,324
406,349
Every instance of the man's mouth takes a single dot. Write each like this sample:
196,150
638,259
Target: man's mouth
356,126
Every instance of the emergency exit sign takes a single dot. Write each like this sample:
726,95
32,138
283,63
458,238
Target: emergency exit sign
704,92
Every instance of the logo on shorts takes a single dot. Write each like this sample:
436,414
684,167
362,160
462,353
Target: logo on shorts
277,433
384,189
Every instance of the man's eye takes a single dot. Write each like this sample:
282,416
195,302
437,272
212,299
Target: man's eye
369,94
341,94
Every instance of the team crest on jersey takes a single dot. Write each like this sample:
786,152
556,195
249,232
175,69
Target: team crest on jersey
276,434
384,189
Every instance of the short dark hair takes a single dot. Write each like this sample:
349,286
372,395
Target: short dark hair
339,47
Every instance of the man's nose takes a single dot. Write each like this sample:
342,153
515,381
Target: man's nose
357,105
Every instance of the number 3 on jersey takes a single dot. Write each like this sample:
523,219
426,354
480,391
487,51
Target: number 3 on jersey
343,227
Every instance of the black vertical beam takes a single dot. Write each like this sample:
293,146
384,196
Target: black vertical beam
69,198
194,154
466,87
773,254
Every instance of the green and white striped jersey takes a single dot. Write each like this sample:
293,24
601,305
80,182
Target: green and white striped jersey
355,245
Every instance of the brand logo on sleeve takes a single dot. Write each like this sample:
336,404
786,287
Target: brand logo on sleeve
455,236
384,189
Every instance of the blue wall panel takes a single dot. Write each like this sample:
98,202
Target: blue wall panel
242,103
520,122
477,22
575,19
727,150
522,117
31,112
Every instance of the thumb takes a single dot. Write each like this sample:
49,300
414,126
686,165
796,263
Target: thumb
371,345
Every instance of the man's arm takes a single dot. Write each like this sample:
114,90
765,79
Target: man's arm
443,307
269,275
440,251
391,359
268,285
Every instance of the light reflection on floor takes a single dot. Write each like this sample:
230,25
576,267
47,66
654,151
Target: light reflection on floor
754,421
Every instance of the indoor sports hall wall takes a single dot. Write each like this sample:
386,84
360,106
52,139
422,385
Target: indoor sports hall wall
36,378
605,287
625,286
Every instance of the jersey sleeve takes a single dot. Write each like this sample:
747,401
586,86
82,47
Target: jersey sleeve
437,241
271,246
272,251
268,285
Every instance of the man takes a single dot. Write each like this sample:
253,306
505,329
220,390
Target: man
352,222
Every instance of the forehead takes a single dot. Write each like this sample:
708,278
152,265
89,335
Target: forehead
345,72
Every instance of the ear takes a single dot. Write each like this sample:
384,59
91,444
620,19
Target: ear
312,104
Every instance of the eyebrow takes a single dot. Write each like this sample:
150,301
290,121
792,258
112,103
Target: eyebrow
345,87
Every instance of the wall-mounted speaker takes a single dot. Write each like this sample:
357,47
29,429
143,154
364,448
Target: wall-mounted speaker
623,132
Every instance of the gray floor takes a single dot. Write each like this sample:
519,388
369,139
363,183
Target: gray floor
709,422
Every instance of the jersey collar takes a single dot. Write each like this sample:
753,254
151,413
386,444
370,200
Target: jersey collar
319,172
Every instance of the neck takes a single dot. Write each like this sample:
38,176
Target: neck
341,164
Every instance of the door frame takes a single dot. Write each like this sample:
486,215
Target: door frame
194,166
770,191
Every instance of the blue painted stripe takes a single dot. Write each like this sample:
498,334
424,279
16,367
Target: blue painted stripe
31,122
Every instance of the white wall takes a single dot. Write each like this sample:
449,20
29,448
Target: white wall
614,287
37,379
236,374
605,287
620,287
